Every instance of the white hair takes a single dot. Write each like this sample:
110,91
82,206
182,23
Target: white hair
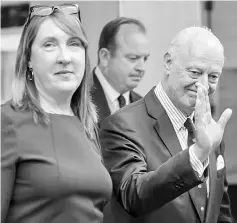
190,37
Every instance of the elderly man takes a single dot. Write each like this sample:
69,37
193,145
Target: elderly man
165,153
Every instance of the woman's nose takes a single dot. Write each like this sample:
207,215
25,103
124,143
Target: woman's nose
64,55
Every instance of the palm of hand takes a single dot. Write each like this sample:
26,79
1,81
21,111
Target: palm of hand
209,133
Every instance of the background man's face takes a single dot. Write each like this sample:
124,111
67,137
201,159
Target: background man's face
126,65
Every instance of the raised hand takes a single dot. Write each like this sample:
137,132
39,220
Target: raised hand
209,133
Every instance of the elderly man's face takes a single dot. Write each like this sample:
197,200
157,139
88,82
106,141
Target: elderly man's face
195,63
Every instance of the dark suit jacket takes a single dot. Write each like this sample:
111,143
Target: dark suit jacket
152,177
99,99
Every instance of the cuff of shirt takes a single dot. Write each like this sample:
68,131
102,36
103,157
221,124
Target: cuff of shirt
197,165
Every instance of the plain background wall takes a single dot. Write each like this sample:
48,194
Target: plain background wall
224,24
225,27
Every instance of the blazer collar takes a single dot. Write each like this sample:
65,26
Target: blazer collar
162,123
134,96
166,132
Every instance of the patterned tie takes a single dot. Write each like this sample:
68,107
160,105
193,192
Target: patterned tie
200,191
121,101
191,131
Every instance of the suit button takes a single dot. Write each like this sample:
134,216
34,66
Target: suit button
177,186
199,186
202,208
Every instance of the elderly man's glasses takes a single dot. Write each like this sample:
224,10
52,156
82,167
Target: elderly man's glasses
40,10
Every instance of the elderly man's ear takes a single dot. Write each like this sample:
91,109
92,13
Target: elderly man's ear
167,62
104,56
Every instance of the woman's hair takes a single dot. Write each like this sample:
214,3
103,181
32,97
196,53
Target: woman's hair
25,95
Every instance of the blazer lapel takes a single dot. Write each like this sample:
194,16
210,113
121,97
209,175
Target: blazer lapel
99,99
134,96
166,132
162,124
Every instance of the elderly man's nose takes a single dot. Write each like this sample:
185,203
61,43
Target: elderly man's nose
203,79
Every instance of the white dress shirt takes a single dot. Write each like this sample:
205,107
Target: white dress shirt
110,93
178,119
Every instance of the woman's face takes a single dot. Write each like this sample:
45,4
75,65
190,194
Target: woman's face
57,60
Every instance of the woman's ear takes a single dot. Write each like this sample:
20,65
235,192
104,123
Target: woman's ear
167,61
104,56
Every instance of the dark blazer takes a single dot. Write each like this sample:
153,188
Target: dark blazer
99,98
152,177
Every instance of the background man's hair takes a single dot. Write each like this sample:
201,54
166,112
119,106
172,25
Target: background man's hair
108,35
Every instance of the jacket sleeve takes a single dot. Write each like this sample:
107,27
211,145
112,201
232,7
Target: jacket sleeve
8,164
225,211
138,190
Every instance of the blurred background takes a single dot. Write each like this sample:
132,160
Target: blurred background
163,20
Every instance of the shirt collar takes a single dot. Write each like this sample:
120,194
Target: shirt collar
176,116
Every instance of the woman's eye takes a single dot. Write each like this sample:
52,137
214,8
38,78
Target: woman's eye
49,45
76,44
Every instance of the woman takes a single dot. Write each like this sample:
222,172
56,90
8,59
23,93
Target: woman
51,165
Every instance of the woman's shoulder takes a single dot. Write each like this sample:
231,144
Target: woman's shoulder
6,107
11,114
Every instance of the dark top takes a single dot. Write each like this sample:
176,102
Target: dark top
50,173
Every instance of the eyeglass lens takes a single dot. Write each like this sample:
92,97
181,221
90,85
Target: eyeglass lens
47,10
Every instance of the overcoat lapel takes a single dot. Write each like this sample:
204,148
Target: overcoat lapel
166,132
133,96
163,125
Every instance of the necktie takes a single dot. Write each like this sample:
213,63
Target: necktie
200,191
121,101
191,131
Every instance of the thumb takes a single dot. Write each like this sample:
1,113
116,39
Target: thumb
225,116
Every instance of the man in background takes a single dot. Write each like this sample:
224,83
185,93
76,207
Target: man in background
122,53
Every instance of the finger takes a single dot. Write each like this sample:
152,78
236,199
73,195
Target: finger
200,99
208,107
199,106
206,98
225,116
